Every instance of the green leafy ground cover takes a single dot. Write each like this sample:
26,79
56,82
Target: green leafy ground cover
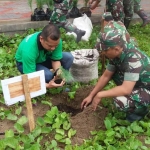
119,134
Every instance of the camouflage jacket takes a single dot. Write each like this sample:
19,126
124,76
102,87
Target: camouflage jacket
133,65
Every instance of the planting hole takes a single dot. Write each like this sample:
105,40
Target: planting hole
68,109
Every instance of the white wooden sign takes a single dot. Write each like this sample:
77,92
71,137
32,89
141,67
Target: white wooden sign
13,87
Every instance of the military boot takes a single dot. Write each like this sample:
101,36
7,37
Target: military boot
144,17
72,28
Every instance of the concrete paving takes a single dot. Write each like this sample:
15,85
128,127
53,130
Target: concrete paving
15,15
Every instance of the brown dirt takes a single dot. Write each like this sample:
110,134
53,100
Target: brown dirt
82,121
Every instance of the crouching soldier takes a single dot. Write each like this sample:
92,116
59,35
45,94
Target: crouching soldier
129,68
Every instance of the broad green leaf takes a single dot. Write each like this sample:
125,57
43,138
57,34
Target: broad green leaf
40,121
19,127
48,120
36,132
63,115
18,111
71,94
9,133
144,148
2,144
31,137
66,125
54,111
134,143
23,120
110,132
47,103
58,137
107,124
56,125
11,142
136,128
35,146
93,132
71,133
68,141
53,143
12,117
110,147
2,51
46,129
60,131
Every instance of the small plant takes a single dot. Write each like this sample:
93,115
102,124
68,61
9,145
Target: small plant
75,2
38,14
39,4
30,4
50,4
49,10
65,74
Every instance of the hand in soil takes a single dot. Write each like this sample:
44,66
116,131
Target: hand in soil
86,102
95,102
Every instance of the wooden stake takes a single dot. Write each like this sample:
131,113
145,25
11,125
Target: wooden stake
28,102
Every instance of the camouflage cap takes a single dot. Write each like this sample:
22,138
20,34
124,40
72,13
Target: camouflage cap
107,16
109,39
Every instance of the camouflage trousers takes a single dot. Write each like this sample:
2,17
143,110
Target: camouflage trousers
116,9
128,9
131,7
138,99
60,11
137,5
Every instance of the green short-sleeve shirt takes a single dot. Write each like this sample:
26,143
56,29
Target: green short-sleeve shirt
30,52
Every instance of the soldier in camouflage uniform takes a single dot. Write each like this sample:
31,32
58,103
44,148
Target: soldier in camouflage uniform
58,17
113,6
130,69
138,10
131,7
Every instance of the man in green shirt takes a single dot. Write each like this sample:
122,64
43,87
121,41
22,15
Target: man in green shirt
43,51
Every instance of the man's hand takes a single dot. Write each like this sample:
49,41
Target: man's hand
52,83
95,102
86,102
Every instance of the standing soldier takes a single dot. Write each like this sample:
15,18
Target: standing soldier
113,6
58,17
131,7
138,10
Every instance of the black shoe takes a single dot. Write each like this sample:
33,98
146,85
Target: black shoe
133,117
79,33
136,116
